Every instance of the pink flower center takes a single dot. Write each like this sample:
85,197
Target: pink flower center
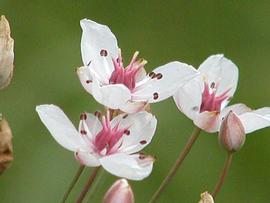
109,137
211,102
126,76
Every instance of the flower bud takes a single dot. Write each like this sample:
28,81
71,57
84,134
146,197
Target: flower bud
206,198
120,191
6,53
6,149
232,133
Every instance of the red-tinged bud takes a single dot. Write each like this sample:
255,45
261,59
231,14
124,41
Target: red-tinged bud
119,192
232,133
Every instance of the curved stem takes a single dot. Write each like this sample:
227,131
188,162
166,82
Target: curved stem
177,164
88,185
72,184
224,173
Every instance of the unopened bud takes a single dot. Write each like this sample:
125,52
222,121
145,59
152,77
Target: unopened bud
6,149
206,198
119,192
232,133
6,53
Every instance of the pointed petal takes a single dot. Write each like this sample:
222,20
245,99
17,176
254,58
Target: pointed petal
113,96
95,38
172,76
61,128
256,120
141,128
86,158
133,107
220,71
188,98
208,121
134,167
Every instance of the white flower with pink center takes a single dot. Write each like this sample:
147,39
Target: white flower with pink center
113,144
203,98
127,88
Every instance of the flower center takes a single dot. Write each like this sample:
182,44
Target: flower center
107,141
211,102
126,76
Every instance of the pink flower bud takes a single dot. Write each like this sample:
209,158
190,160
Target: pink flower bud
120,191
232,134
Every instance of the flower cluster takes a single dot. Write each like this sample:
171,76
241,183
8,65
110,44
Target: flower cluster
114,139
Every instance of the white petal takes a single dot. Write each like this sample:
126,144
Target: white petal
86,158
238,109
133,107
208,121
60,127
222,72
188,98
174,75
128,166
141,127
96,37
113,96
256,120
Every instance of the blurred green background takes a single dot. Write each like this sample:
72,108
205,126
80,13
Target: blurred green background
47,47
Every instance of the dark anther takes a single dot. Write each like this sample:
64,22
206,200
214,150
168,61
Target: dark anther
155,95
83,116
212,85
142,156
88,81
152,75
83,132
125,116
143,142
103,52
97,114
159,76
127,132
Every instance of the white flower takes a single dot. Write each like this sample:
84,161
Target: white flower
112,144
129,89
204,97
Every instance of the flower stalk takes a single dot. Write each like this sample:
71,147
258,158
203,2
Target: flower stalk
88,185
177,164
223,175
72,184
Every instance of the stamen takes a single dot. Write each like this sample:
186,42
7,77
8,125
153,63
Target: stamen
159,76
143,142
103,52
88,81
83,116
155,96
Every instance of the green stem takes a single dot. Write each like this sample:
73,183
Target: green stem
88,185
177,164
72,184
223,175
96,185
